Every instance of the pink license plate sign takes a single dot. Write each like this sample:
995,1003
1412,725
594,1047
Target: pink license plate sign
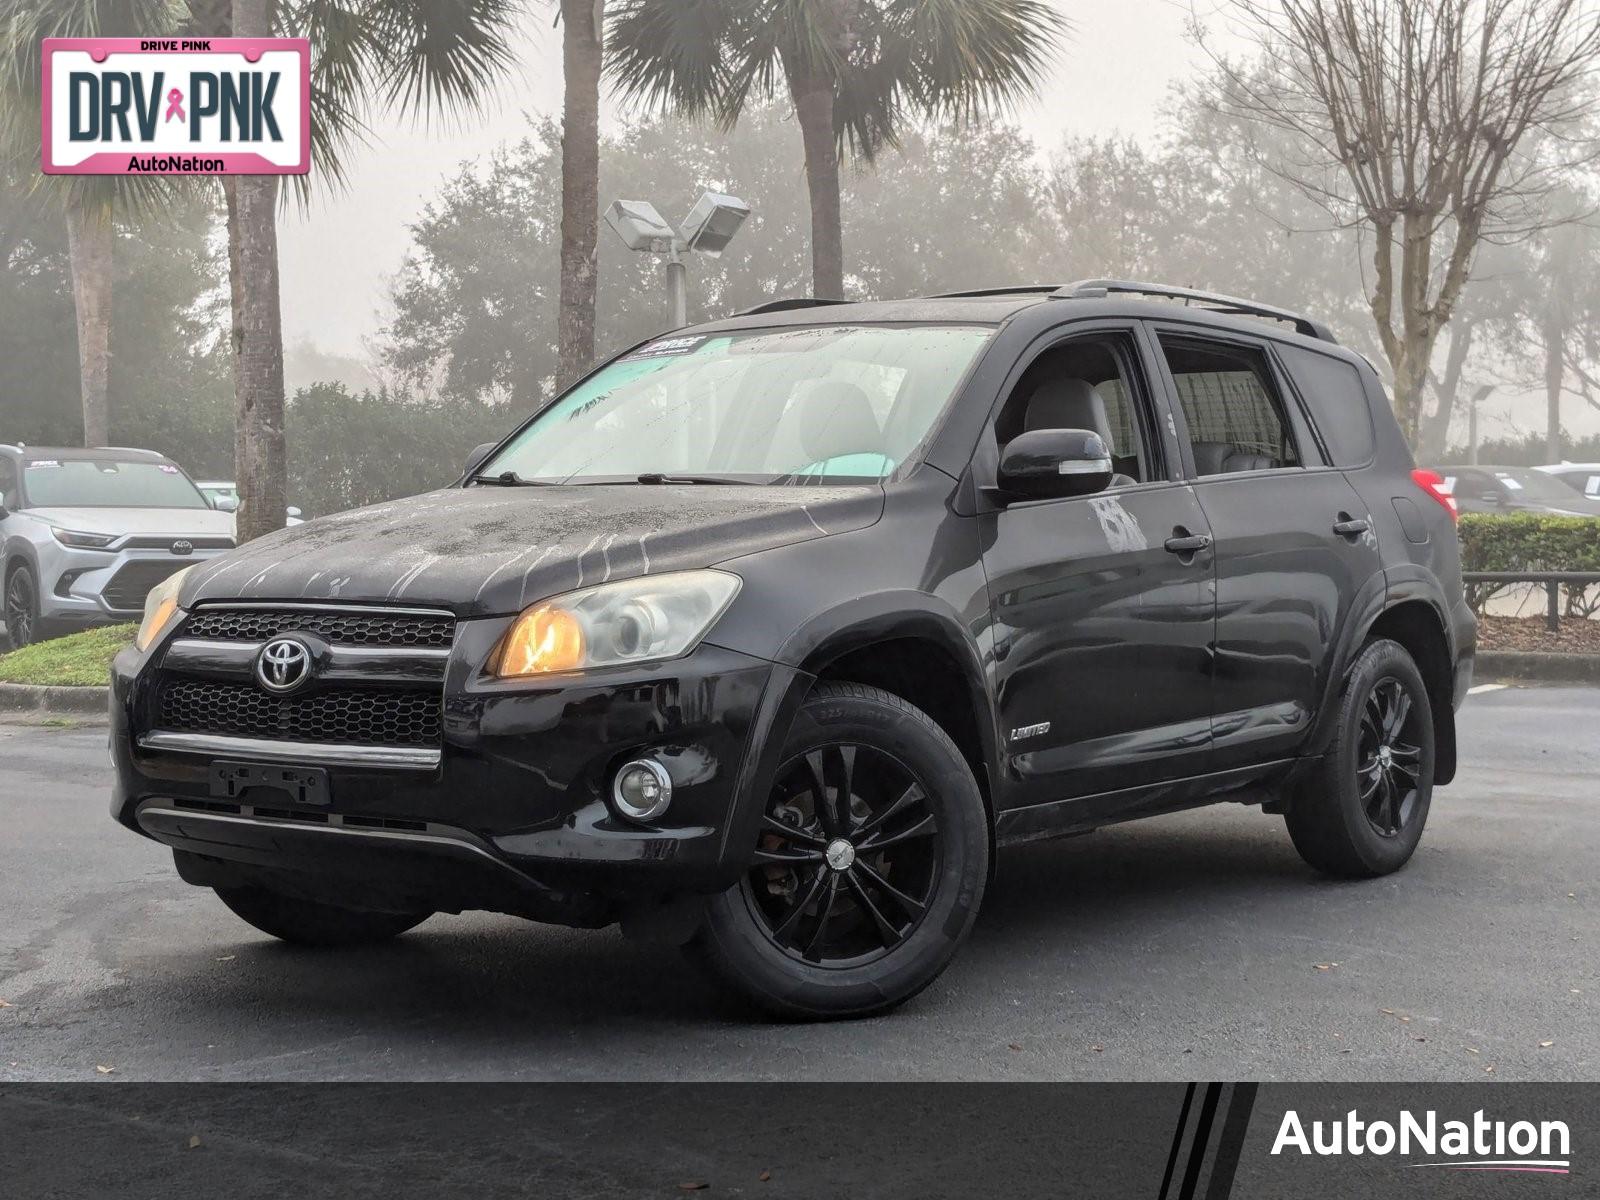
177,106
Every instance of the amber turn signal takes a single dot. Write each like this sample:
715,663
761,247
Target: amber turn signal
543,640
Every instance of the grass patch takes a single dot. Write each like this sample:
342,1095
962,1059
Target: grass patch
81,659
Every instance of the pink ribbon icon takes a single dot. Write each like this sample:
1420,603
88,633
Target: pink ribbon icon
175,105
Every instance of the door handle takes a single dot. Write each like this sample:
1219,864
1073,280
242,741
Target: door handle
1351,528
1189,543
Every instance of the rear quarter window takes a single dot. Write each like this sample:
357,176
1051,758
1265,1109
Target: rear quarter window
1331,389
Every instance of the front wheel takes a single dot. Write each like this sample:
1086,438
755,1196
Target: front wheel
308,923
1361,813
869,869
23,626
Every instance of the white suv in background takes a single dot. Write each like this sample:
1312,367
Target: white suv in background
1583,478
85,534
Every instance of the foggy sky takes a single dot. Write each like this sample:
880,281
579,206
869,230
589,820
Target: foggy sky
1111,76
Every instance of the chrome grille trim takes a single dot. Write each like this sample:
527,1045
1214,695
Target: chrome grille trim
347,662
405,758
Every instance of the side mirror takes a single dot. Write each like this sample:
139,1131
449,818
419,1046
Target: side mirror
4,511
225,504
1050,463
293,511
479,453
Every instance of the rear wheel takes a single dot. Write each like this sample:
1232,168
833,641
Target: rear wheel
1362,812
869,868
308,923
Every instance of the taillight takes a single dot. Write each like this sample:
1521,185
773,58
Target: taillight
1433,483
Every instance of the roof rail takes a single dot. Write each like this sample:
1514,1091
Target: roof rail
1020,289
1213,301
785,305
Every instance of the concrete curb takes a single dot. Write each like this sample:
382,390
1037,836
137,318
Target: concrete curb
30,698
1541,665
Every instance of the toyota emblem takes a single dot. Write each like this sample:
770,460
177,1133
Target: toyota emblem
182,547
283,665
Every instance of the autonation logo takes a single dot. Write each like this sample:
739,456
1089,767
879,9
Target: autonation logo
1480,1144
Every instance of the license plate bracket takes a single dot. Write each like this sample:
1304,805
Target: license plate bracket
301,785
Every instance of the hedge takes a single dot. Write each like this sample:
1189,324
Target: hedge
1531,542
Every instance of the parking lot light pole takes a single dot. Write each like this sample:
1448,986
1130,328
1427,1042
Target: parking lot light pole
709,227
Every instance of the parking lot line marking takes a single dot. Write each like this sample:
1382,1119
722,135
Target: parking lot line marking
1485,687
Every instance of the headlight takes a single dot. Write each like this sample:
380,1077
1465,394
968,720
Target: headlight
83,541
615,624
160,610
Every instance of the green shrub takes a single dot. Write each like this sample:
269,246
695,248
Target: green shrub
1531,542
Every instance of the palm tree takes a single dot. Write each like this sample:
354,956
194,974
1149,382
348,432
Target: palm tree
854,70
425,57
88,204
582,45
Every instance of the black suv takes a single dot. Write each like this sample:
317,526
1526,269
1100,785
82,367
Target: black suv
766,635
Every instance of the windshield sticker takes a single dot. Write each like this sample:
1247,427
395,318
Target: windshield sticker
666,346
39,464
167,468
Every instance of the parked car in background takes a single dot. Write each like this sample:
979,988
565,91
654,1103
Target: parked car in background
1583,478
886,587
224,496
85,534
1480,489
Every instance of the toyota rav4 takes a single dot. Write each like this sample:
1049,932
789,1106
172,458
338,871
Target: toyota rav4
768,634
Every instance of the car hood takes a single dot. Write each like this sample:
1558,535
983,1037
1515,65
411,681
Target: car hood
485,551
158,522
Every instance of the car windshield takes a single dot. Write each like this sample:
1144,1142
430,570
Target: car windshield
107,483
815,404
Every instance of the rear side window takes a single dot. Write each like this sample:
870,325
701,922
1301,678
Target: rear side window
1230,403
1338,403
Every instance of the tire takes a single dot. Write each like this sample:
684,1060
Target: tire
1362,812
308,923
815,932
23,626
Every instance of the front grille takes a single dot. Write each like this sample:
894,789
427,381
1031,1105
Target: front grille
365,716
129,586
339,628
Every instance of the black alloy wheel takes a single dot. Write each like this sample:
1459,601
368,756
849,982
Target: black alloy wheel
868,862
1389,758
849,857
1361,807
22,608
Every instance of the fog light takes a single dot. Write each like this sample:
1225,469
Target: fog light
642,790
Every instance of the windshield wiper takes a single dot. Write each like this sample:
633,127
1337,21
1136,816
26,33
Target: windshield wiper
508,479
659,477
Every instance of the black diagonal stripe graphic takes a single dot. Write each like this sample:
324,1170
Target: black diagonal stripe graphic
1200,1147
1177,1139
1231,1142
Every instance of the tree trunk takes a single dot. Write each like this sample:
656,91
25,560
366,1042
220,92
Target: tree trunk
259,461
813,107
1434,439
581,51
90,242
1410,379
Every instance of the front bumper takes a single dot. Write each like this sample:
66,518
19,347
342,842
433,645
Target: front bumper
512,816
91,587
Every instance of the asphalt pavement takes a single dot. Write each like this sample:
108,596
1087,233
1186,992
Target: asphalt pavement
1194,946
